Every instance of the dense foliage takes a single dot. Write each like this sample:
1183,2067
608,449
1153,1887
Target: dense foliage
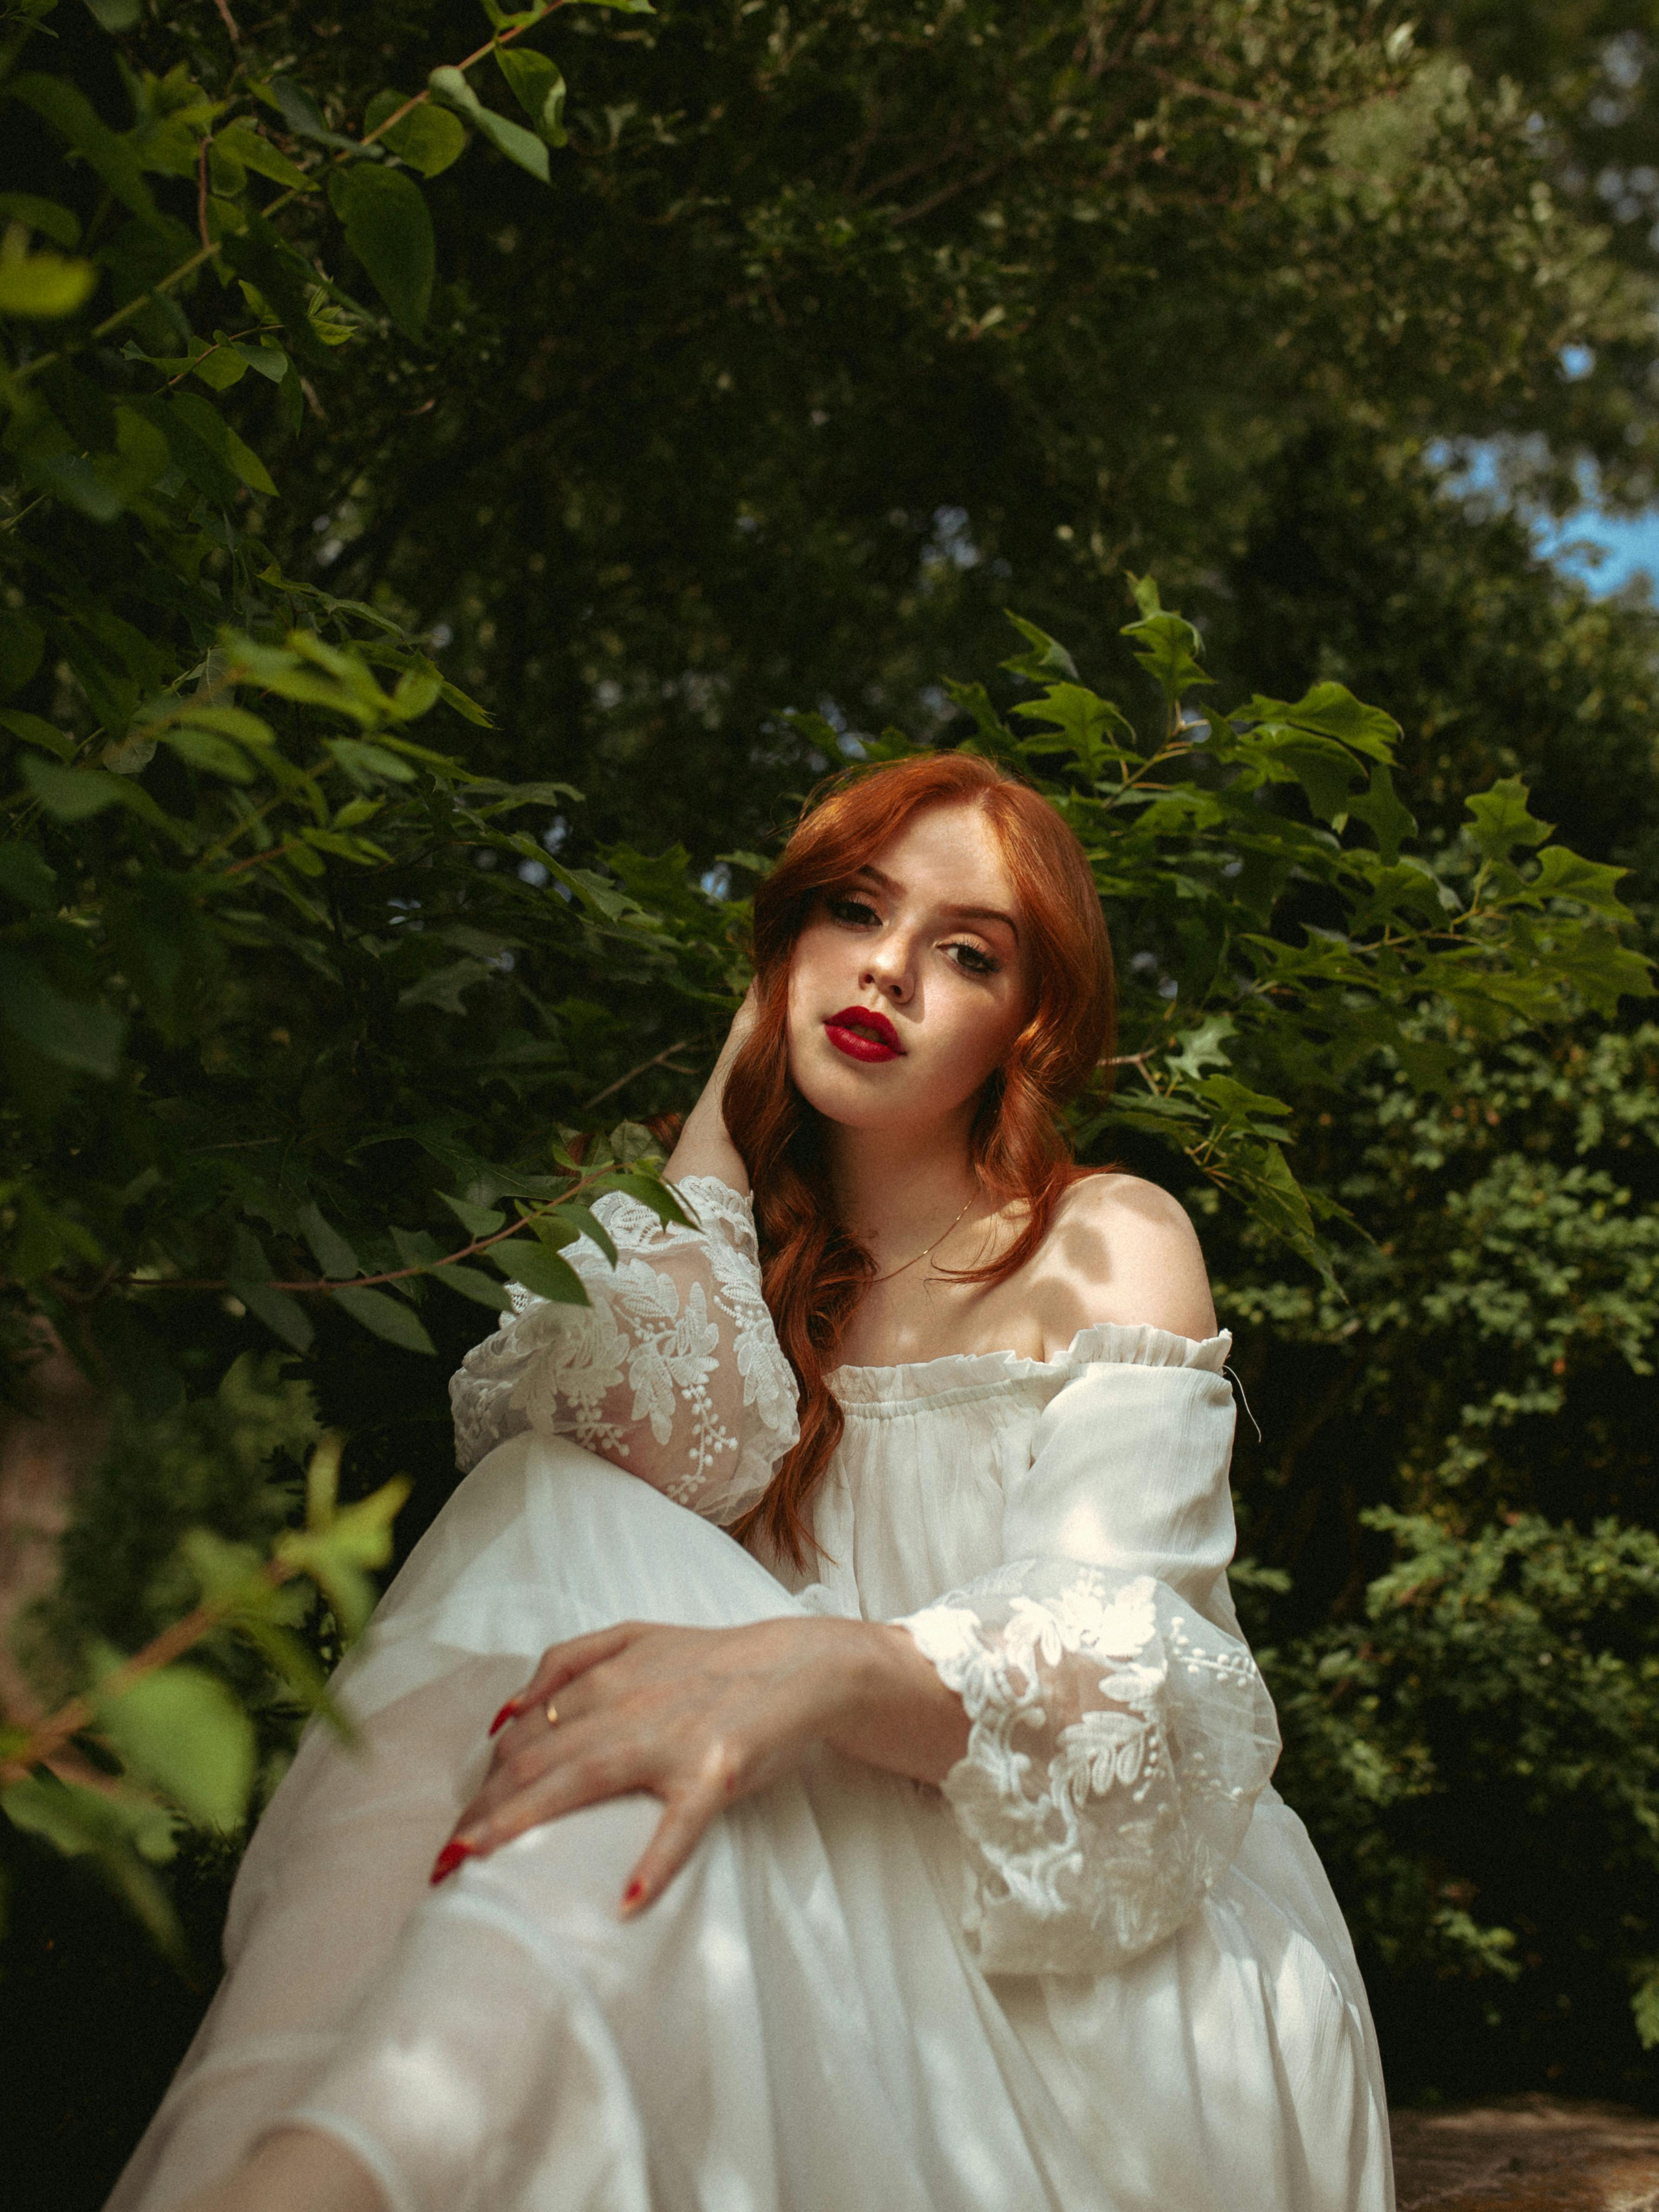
423,508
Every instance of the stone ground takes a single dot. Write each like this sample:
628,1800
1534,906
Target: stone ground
1531,2154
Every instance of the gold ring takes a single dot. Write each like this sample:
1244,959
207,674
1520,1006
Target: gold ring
552,1714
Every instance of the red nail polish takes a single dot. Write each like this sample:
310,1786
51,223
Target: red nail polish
634,1892
449,1858
509,1711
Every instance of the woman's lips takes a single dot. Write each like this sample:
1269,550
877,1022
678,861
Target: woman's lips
863,1035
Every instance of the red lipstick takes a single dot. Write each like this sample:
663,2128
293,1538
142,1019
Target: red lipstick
863,1035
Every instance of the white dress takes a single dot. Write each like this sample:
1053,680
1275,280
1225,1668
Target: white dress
1101,1970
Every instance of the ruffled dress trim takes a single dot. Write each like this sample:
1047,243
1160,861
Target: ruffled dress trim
1118,1344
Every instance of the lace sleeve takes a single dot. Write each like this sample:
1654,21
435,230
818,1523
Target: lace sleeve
1119,1731
672,1370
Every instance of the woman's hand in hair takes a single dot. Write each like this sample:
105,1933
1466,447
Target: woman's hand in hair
704,1147
699,1718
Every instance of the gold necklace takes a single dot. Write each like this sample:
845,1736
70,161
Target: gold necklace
926,1248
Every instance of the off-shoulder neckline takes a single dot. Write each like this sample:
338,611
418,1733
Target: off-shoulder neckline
1126,1344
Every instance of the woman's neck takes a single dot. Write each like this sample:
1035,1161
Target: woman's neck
896,1187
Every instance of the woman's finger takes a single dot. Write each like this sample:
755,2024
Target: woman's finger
499,1813
529,1752
685,1817
563,1662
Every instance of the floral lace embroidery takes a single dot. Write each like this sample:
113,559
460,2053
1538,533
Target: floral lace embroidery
1091,1839
561,1370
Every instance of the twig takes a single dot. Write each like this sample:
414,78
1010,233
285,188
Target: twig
659,1060
326,1286
31,370
229,21
201,195
47,1737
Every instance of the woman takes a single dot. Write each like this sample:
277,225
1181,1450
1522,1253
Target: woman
964,1889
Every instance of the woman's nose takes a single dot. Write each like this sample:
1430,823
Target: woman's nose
887,972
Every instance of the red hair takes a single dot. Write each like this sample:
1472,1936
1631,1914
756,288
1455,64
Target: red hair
812,1273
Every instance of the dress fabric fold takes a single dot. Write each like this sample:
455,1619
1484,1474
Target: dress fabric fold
1101,1970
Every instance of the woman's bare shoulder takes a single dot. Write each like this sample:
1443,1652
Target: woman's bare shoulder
1123,1250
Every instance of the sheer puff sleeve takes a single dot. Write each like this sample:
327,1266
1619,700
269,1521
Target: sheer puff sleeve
1120,1732
672,1370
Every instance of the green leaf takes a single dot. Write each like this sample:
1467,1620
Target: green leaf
385,1317
181,1729
1047,662
473,1283
1167,647
519,145
538,88
34,730
417,1248
428,137
388,228
1330,710
541,1272
443,987
25,876
1200,1047
368,763
211,427
203,749
337,1549
1390,823
58,223
72,794
244,145
73,478
476,1221
205,446
283,1316
267,360
230,721
334,1255
419,689
22,644
1085,723
219,366
1326,773
115,16
72,116
263,257
44,285
83,1034
584,1218
1502,820
302,114
660,1197
122,1833
1562,874
249,1277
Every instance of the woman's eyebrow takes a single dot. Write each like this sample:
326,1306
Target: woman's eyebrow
960,913
985,914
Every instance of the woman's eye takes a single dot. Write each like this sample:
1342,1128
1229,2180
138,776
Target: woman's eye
975,960
853,910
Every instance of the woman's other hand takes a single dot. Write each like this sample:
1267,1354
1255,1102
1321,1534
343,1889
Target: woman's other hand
700,1717
705,1148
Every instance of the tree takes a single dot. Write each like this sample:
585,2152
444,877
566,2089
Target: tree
664,476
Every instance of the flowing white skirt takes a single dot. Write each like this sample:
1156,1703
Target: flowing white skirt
795,2025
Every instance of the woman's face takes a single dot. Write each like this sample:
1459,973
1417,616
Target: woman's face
911,980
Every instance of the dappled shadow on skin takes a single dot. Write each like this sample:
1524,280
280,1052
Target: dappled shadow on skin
1528,2153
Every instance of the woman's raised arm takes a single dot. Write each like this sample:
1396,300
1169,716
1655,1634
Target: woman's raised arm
672,1369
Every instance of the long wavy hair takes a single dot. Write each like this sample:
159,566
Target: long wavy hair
812,1272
